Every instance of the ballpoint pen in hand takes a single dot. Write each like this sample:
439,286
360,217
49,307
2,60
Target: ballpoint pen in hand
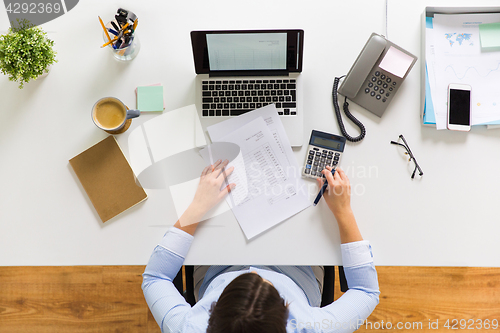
322,190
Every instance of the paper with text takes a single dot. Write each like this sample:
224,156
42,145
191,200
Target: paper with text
274,189
273,122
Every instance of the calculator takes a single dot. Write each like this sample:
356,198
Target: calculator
324,149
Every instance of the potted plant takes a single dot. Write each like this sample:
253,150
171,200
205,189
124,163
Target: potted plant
25,53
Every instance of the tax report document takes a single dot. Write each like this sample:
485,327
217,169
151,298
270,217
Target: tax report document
273,122
269,187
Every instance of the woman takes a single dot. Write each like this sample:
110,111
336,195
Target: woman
255,298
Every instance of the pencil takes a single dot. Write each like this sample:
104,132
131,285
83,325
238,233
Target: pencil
136,22
125,26
105,30
110,41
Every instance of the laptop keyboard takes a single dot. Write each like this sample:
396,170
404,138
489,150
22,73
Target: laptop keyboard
235,97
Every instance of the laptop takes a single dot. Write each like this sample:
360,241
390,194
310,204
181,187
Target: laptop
242,70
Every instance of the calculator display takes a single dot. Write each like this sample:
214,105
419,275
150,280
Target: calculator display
327,143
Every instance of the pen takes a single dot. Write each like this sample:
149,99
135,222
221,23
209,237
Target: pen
322,190
118,44
113,32
115,26
104,28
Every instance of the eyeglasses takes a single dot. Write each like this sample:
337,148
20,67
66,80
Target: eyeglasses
409,153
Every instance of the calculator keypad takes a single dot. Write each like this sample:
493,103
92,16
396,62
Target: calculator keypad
317,159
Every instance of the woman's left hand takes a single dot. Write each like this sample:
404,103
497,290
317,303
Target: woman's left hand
208,194
209,191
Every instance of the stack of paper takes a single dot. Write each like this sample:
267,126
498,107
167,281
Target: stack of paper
454,54
269,187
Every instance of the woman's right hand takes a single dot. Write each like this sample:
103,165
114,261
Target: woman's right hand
338,192
338,199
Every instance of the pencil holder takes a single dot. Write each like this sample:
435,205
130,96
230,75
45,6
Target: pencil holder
124,52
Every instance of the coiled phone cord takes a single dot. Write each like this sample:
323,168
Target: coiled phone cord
347,113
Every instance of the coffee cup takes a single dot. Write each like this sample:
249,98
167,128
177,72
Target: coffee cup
112,116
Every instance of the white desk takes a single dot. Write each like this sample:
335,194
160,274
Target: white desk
448,217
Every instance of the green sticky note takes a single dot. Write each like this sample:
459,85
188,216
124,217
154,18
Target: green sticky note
150,98
489,34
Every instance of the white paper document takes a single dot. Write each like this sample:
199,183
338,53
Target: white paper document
459,59
273,122
272,189
174,132
183,194
163,136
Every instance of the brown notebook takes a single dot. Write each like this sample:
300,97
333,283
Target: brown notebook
108,178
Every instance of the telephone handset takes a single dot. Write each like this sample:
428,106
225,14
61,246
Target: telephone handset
373,79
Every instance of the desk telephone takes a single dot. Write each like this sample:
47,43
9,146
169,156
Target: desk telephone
373,79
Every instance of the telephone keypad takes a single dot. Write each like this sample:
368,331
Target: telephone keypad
378,84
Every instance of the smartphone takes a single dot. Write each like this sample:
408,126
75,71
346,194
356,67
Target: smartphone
459,107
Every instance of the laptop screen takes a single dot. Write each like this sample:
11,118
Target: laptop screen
247,52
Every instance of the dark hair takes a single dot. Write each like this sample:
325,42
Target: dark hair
248,304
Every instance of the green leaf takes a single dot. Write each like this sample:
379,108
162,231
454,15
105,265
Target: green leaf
25,53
